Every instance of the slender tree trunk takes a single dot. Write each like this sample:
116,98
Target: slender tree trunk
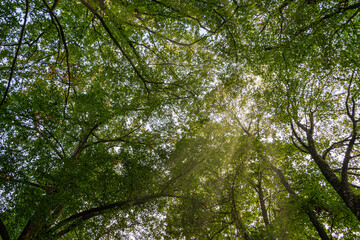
348,196
262,205
312,216
316,223
340,186
235,215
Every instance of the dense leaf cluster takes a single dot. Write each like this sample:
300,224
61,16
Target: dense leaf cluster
163,119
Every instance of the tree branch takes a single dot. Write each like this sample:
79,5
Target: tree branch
235,215
57,141
3,231
54,5
9,178
262,202
164,37
341,10
63,39
298,147
12,70
82,143
350,115
186,15
217,232
327,16
355,186
90,213
333,146
316,223
297,136
119,139
107,29
347,157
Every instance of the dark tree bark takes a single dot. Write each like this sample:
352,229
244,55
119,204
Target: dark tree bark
235,215
3,231
341,186
13,65
312,216
262,204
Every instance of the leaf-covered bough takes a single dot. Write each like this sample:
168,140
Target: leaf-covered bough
162,119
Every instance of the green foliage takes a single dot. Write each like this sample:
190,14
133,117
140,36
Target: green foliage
179,119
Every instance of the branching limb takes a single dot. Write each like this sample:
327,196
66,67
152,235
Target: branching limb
298,147
262,202
341,10
111,35
355,186
78,218
58,143
28,43
82,143
302,126
63,39
348,21
296,134
60,155
355,156
233,39
189,168
186,15
118,139
235,214
316,223
218,232
351,115
164,37
9,178
350,173
282,178
54,5
13,65
333,146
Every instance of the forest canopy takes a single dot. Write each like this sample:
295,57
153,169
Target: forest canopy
169,119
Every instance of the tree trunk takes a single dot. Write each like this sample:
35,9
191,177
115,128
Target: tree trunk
262,204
